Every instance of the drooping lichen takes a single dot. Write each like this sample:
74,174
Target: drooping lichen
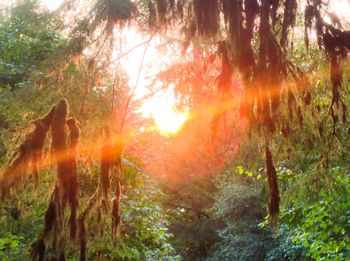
64,154
27,157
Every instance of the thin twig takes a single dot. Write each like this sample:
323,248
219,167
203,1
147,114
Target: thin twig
124,54
135,86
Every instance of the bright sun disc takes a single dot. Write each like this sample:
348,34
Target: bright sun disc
169,121
161,108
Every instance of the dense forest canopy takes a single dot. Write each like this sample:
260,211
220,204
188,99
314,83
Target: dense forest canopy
174,130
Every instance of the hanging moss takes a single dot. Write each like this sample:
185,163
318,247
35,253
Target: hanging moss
99,199
118,148
274,197
172,4
28,153
117,11
224,79
274,4
50,221
66,186
83,234
162,10
180,5
232,11
111,156
290,10
73,178
55,212
224,83
207,17
116,218
335,42
106,163
38,250
251,8
152,17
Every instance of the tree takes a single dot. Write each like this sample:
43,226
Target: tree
28,38
254,40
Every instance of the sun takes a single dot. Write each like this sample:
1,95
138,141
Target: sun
161,106
162,109
169,121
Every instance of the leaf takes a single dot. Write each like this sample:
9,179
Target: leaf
239,170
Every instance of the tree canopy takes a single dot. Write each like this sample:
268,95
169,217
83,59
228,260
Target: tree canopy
251,162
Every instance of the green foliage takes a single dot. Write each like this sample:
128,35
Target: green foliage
219,221
187,204
22,216
239,208
145,223
27,38
322,227
9,245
